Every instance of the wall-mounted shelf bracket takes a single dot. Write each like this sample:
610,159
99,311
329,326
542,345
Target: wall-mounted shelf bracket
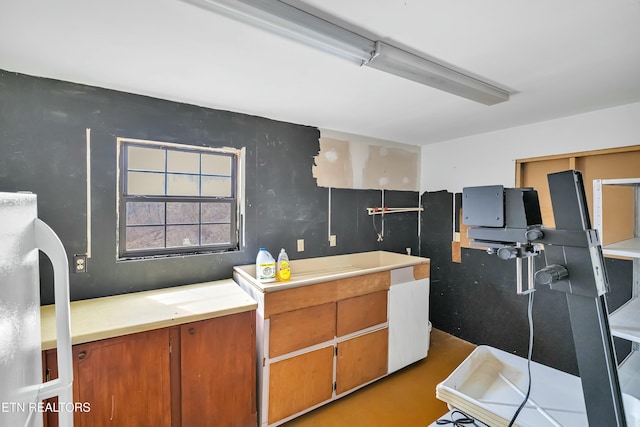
385,210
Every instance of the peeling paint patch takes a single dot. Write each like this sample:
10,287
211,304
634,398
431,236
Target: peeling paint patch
333,166
356,162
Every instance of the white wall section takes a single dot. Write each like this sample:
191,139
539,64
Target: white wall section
489,158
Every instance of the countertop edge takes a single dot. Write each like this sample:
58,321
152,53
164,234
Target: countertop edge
241,302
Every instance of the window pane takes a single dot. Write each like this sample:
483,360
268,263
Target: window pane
145,237
216,234
176,199
150,159
183,213
147,183
182,235
216,186
216,165
182,161
216,212
182,185
145,213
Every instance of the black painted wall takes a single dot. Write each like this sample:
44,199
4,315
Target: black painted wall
42,149
476,299
43,124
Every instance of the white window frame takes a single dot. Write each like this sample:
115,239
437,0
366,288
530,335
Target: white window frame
237,224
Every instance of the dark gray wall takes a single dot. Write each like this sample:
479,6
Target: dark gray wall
476,299
43,150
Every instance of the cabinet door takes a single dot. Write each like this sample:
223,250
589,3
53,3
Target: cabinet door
218,371
361,312
297,383
361,359
408,323
126,380
297,329
50,367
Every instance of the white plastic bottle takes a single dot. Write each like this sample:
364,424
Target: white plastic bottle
265,266
283,269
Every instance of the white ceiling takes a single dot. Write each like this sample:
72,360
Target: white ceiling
561,57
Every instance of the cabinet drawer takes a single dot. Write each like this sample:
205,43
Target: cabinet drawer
361,312
361,285
294,330
296,298
321,293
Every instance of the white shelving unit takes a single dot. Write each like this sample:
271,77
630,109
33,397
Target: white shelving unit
625,321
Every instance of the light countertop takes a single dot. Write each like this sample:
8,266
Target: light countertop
100,318
322,269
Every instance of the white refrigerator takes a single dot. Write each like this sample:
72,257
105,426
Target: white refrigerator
22,389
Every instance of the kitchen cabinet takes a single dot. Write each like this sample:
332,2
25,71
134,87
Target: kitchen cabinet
619,230
300,382
196,374
217,372
50,371
297,329
361,360
126,380
408,341
361,312
321,340
301,375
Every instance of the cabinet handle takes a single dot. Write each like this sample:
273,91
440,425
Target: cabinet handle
82,355
192,331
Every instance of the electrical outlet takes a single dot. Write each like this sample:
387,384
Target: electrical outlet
300,245
332,240
79,263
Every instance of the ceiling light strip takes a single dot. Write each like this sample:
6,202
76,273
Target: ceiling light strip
281,18
404,64
295,24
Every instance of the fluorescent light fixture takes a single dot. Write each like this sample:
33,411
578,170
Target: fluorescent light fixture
294,24
281,18
413,67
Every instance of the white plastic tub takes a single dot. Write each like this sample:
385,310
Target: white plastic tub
490,385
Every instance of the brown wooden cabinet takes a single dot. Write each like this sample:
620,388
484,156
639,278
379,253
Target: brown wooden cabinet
361,312
50,371
305,329
126,380
361,359
300,382
122,381
217,372
196,374
335,327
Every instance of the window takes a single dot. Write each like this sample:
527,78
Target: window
176,199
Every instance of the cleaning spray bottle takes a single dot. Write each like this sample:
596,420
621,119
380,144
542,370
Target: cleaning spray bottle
265,266
284,268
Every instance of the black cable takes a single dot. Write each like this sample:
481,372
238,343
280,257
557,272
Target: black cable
458,422
526,397
373,218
